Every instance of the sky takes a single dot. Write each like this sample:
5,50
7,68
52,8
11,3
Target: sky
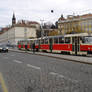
37,10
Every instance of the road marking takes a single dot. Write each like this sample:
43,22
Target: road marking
17,61
2,82
35,67
53,73
59,75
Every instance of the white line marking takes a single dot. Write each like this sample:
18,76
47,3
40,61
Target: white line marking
35,67
17,61
59,75
53,73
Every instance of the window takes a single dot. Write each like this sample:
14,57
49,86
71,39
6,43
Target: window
46,41
42,41
61,40
36,41
27,42
87,40
56,40
67,40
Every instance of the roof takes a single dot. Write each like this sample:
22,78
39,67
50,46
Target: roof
24,23
87,15
75,18
4,30
33,22
79,34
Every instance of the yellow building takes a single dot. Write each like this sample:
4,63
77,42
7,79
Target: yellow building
75,24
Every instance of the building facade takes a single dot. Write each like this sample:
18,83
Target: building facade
21,30
16,33
75,24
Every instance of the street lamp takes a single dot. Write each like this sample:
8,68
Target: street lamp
25,33
42,31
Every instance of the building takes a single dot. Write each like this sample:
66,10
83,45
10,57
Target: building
13,19
21,30
75,24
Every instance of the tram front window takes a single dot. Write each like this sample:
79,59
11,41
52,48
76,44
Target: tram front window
87,40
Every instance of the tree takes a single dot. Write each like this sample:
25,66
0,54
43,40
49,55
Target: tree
53,26
53,33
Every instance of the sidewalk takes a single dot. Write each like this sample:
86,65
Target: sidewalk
80,59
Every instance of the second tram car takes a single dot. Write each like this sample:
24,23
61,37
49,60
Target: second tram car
77,44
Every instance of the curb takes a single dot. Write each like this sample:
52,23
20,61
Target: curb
89,63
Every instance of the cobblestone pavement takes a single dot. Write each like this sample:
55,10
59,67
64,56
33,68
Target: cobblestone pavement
31,73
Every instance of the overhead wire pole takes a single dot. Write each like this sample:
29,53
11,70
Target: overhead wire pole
25,30
25,37
42,31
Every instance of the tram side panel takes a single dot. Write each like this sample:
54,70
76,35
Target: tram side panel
19,46
62,47
28,46
86,48
86,44
44,47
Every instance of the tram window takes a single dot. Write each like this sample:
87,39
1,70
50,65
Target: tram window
55,40
42,41
18,42
36,41
67,40
39,41
27,42
87,40
61,39
30,42
46,41
82,39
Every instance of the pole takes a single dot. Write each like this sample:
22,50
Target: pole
25,33
42,31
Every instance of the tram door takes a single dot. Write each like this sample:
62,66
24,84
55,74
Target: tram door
50,44
38,45
75,45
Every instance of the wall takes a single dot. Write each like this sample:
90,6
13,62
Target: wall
17,33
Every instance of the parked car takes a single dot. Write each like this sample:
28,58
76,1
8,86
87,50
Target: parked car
3,48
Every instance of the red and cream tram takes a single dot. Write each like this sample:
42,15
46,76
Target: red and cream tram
77,44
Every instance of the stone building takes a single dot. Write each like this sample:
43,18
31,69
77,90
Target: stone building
21,30
75,24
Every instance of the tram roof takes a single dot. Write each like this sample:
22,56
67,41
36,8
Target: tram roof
51,36
79,34
67,35
29,39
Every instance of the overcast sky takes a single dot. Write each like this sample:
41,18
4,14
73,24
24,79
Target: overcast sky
36,10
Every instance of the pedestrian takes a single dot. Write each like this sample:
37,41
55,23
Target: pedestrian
33,46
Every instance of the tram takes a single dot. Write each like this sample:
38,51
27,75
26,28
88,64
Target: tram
76,44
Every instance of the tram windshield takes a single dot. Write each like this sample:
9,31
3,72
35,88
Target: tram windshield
87,40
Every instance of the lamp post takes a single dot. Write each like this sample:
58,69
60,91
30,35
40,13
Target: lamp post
25,33
42,31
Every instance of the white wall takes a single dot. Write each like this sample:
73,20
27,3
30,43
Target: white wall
20,32
17,33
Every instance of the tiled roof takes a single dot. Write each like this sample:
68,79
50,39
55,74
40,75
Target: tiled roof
86,15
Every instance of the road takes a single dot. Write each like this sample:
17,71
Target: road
22,72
